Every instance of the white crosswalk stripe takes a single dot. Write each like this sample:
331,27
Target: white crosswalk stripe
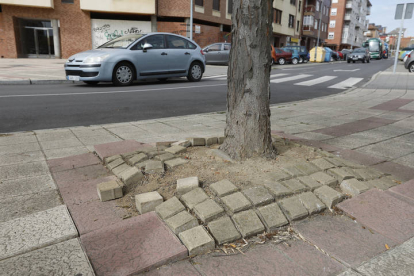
316,81
297,77
271,76
346,83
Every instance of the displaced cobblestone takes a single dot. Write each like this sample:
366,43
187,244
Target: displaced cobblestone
109,190
223,188
311,203
353,187
223,230
181,222
328,196
248,223
147,202
176,149
194,197
208,210
272,217
197,240
172,163
236,202
324,179
293,208
169,208
184,185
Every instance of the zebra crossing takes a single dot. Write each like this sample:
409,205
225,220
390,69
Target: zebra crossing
306,80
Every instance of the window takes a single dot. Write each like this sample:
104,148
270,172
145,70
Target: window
227,47
214,48
316,24
230,6
317,5
291,21
297,26
333,11
332,23
308,20
0,8
67,1
157,42
334,1
331,35
293,2
199,3
216,5
278,16
300,4
175,42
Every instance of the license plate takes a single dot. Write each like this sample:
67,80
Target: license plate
355,58
74,78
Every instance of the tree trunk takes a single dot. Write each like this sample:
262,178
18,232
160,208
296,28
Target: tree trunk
248,132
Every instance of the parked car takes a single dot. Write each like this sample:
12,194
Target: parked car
409,63
346,52
279,56
340,55
303,53
404,52
359,54
295,55
138,56
217,53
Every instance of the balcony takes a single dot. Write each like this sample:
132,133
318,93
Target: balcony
368,34
29,3
309,10
125,6
309,31
348,5
347,17
369,11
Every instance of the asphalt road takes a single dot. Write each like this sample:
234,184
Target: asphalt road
31,107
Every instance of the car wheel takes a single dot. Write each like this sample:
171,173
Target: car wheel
281,61
295,61
300,60
305,60
348,61
368,60
91,82
123,74
195,72
163,79
353,61
411,67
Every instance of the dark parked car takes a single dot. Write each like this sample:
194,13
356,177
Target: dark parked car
280,56
217,53
359,54
409,63
346,52
303,52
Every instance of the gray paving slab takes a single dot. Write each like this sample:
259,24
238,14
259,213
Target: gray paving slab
277,189
181,222
258,196
19,148
197,240
61,143
208,210
194,197
24,205
65,258
223,230
293,208
272,217
10,159
25,186
24,170
248,223
294,185
13,139
169,208
223,188
65,152
35,231
236,202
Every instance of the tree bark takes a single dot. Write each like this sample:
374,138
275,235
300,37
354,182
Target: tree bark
248,132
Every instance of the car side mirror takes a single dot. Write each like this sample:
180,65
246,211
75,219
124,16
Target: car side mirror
206,50
147,46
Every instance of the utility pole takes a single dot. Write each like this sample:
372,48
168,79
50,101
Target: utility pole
399,39
191,20
319,27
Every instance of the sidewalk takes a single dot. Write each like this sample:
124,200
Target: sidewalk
369,126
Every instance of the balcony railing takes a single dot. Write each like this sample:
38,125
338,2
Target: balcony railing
348,5
347,16
29,3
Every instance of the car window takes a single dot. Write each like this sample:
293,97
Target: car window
278,51
227,47
215,47
175,42
191,45
157,42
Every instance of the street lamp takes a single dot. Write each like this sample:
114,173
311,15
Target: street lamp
319,27
191,20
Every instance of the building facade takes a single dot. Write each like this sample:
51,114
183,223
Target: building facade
315,22
287,22
61,28
348,23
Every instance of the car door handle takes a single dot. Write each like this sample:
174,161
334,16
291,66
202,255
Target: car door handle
164,54
187,53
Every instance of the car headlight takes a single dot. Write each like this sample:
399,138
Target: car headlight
93,60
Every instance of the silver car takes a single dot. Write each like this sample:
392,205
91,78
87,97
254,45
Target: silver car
136,57
409,63
359,54
218,53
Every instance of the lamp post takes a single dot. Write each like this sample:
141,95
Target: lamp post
319,27
191,20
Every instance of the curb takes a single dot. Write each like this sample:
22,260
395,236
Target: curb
30,82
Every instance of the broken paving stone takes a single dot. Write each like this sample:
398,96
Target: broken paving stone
353,187
309,182
294,185
258,196
340,174
183,143
120,169
223,230
109,159
197,240
184,185
328,196
197,141
211,141
181,222
272,217
141,165
293,208
307,168
194,197
223,188
109,190
169,208
147,202
165,157
154,166
323,164
324,179
208,210
248,223
368,173
311,203
236,202
115,163
172,163
136,158
352,172
277,189
176,149
131,176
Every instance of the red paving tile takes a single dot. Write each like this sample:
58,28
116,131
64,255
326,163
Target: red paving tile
183,268
342,238
114,148
259,260
392,104
354,127
311,259
132,246
402,172
404,191
82,174
72,162
382,213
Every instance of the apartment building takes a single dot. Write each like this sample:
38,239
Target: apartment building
287,22
61,28
315,20
348,23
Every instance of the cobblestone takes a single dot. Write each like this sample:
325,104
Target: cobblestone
309,182
340,174
258,196
272,217
109,190
293,171
169,208
277,189
184,185
208,210
293,208
328,196
236,202
223,188
353,187
295,186
248,223
311,203
147,202
154,166
197,240
165,157
307,168
223,230
324,179
172,163
211,141
137,158
323,164
181,222
194,197
176,149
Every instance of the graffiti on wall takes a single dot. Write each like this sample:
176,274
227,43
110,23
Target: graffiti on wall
105,30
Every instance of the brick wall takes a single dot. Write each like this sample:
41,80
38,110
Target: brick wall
338,25
2,37
75,26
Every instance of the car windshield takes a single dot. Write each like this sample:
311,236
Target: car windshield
360,50
122,42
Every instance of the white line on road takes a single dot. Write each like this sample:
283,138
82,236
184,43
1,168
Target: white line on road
277,75
316,81
212,77
109,92
298,77
340,70
348,83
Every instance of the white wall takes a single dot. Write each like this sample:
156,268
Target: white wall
30,3
126,6
104,30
